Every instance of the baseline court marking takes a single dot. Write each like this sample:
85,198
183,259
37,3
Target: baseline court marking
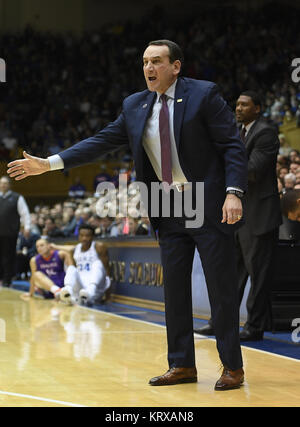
43,399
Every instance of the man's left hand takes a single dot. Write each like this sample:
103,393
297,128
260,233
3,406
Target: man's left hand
232,209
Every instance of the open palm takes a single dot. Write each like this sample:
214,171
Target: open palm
30,165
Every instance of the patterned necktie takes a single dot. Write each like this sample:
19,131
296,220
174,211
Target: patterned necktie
243,134
165,142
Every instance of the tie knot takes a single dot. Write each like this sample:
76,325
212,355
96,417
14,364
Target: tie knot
163,97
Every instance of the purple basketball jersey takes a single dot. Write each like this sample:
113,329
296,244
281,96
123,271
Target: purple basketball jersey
52,267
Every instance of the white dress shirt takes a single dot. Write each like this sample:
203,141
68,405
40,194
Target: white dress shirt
151,138
248,127
23,210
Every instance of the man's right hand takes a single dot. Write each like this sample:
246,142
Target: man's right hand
30,165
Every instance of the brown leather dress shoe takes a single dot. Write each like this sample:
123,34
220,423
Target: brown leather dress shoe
176,376
230,379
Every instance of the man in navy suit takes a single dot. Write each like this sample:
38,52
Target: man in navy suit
182,132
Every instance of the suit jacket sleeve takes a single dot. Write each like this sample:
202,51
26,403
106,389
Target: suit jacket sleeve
113,137
224,133
263,154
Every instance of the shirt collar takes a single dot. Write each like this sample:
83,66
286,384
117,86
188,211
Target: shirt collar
6,194
170,92
249,125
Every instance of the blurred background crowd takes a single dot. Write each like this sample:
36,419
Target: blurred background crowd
65,87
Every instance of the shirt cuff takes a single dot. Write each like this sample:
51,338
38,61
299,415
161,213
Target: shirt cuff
234,188
56,162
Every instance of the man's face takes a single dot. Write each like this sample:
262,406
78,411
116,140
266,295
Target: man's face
283,172
295,214
4,185
289,183
85,237
49,224
43,248
246,111
294,167
159,73
132,226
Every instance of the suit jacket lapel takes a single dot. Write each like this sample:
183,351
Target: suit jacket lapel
251,133
143,112
181,97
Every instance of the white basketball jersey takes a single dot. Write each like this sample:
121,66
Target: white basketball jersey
84,260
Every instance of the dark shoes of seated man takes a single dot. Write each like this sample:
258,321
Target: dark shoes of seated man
245,334
229,379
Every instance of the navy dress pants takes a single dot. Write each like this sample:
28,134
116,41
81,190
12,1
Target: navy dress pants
218,258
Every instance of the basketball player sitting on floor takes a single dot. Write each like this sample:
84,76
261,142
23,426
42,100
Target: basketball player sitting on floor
48,270
88,282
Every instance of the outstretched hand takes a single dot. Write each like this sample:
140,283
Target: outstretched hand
30,165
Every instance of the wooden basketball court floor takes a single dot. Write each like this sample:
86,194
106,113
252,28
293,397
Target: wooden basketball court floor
52,355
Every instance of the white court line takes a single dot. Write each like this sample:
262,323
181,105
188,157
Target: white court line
43,399
129,332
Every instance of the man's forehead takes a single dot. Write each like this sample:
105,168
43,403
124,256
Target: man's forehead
245,99
85,232
156,51
42,242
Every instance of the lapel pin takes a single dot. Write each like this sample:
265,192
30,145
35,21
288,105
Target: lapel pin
179,100
145,105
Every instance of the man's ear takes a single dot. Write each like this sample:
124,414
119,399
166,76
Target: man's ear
177,66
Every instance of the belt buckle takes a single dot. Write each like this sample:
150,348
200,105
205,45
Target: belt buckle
179,187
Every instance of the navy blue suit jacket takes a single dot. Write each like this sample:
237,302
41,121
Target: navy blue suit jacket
209,146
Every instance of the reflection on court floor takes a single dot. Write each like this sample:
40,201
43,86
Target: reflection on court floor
54,355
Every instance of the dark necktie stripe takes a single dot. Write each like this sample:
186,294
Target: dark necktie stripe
165,141
243,134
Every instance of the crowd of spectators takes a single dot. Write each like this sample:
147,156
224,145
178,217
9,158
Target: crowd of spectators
62,88
288,169
112,213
